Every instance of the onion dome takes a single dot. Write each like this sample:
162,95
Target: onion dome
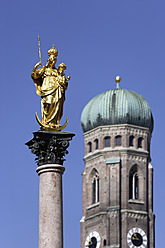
117,106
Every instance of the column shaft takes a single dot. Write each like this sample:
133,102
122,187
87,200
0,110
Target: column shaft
50,206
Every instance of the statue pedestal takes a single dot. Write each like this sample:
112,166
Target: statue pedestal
50,147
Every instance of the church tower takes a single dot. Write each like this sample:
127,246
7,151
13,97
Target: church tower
118,175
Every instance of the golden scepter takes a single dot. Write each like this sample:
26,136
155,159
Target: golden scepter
39,48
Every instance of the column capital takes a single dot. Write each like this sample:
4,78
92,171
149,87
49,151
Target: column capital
50,147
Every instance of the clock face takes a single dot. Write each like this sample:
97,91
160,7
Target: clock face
136,237
93,240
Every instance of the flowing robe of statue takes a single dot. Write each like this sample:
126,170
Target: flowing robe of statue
50,86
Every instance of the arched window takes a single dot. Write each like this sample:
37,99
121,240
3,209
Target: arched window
133,183
140,142
96,144
107,142
95,186
89,147
118,140
148,145
95,189
131,138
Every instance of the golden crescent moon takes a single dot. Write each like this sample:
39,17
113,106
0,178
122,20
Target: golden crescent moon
48,128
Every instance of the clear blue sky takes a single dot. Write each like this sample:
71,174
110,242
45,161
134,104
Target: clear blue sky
97,40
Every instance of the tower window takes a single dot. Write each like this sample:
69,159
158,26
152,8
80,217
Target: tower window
95,189
118,140
104,244
148,145
96,144
133,183
107,141
140,142
131,138
89,147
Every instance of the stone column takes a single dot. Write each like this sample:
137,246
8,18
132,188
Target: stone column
50,147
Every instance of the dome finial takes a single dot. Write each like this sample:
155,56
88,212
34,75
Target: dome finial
118,79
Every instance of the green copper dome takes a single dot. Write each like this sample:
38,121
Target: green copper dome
117,106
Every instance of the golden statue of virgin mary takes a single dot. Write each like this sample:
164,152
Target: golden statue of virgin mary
51,85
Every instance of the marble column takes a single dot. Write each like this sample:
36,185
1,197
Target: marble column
50,148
